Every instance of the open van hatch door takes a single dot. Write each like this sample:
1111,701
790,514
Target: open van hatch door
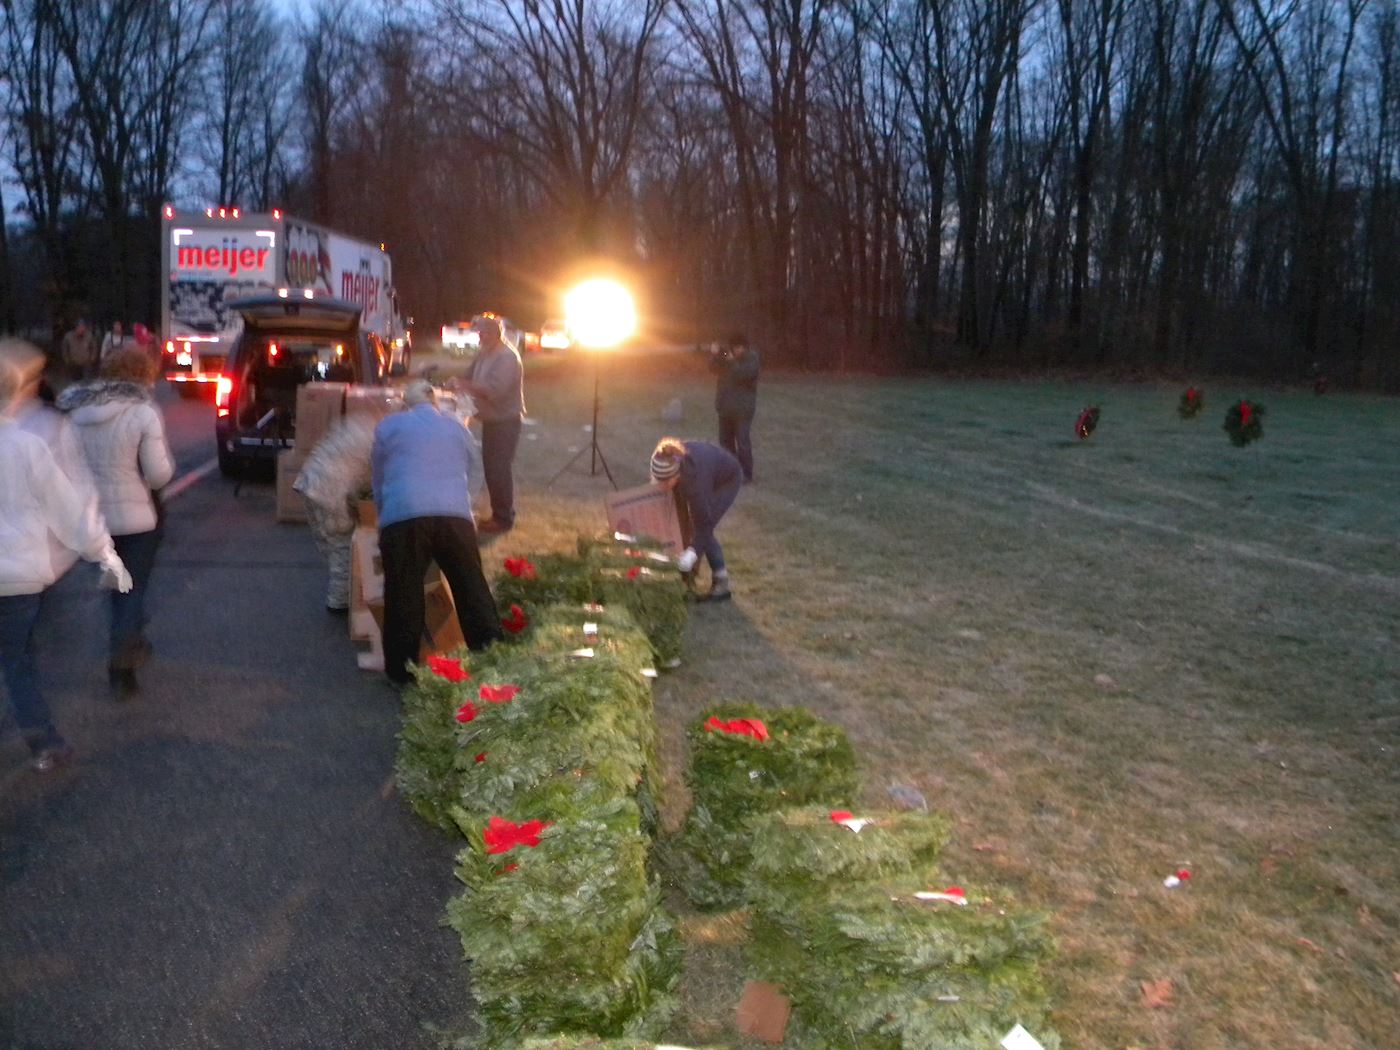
295,314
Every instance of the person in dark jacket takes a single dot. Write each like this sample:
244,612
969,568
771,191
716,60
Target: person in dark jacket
736,397
420,467
705,478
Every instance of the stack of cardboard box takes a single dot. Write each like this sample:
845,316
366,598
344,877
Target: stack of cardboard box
319,407
441,630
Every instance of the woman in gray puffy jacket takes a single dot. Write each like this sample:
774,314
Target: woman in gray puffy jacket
123,437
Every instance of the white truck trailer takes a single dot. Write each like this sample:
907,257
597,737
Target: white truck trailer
214,257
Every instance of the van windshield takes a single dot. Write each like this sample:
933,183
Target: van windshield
302,359
276,366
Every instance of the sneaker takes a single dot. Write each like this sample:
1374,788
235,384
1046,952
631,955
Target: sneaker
47,759
717,594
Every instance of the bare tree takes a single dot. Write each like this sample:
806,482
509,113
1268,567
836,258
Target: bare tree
560,87
43,133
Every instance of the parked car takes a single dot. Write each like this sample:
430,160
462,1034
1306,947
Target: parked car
554,335
288,340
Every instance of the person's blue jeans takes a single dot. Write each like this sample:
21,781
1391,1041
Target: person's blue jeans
138,553
18,615
499,439
734,435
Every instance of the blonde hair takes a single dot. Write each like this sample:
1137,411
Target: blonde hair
670,448
134,366
10,383
25,358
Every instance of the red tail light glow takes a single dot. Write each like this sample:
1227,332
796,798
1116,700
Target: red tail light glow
223,395
169,346
271,349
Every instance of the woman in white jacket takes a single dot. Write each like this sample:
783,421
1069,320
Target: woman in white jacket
36,498
123,437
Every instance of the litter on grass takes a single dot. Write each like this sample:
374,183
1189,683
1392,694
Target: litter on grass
1019,1039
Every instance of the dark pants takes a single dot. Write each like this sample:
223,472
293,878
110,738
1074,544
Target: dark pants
734,436
720,501
138,553
406,547
498,443
18,615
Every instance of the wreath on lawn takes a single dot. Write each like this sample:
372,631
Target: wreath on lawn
1087,421
1191,403
1244,422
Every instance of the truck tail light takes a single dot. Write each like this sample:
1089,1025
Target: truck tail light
170,346
223,395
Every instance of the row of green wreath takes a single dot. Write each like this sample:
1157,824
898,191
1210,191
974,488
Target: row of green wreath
542,753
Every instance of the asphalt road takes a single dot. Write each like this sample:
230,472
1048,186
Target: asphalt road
225,864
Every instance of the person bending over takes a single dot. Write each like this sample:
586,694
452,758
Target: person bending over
420,467
705,478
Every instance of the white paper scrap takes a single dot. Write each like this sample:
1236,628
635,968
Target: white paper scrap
951,898
590,628
855,823
658,556
650,672
623,537
1019,1039
582,654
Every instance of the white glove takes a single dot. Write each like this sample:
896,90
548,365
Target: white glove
114,574
686,562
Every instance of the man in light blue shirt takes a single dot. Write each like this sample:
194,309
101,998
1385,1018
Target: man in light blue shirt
421,464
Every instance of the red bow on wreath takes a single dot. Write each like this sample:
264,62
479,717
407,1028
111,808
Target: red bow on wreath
520,568
452,670
753,727
498,694
1246,412
1087,421
517,621
502,836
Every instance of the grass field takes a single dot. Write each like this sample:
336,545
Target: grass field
1106,660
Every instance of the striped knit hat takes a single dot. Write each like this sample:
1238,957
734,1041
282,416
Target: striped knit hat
664,465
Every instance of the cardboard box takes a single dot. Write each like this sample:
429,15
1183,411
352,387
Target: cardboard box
441,631
366,568
646,511
319,407
370,402
291,507
764,1011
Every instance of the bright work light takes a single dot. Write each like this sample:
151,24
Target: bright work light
600,313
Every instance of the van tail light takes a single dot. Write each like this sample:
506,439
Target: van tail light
223,395
170,346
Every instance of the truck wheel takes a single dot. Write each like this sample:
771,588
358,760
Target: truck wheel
230,466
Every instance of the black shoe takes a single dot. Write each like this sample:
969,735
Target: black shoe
717,594
123,682
338,610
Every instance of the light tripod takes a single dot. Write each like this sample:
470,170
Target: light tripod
594,450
